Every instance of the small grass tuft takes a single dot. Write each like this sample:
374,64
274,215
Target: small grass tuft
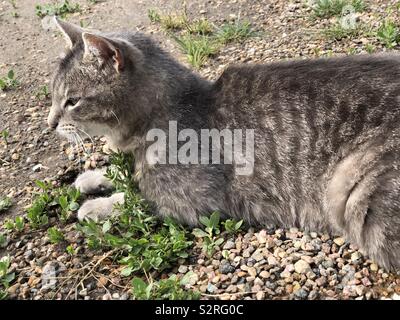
389,34
5,203
201,27
330,8
153,15
174,21
337,32
237,31
197,48
55,235
370,48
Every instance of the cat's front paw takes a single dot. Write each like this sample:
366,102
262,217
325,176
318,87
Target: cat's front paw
100,208
93,182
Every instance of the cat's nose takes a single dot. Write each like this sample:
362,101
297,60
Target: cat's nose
52,124
53,119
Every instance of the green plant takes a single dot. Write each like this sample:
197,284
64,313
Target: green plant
68,200
174,21
197,48
3,240
5,134
337,32
231,226
167,289
389,34
84,23
201,26
55,235
60,201
330,8
70,250
210,233
237,31
5,203
225,254
43,92
18,224
370,48
58,9
9,81
153,15
6,277
142,241
351,51
13,3
14,13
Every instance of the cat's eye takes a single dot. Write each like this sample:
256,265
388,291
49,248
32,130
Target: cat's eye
71,102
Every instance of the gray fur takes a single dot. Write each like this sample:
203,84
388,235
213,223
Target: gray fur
327,135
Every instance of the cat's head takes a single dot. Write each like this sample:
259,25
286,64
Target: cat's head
92,82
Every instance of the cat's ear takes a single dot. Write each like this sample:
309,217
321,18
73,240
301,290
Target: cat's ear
105,50
71,32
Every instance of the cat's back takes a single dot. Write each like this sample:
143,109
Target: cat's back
323,86
384,66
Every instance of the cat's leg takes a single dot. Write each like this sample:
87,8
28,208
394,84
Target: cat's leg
93,182
371,217
363,201
381,225
100,208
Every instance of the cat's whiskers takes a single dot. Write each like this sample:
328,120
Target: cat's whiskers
113,113
80,140
73,135
84,132
75,147
70,143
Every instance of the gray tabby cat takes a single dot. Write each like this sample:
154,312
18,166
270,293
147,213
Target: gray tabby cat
327,148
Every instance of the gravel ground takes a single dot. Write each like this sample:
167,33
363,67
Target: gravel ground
261,264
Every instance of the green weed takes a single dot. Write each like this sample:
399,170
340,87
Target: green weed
210,234
167,289
18,224
58,9
330,8
9,81
55,235
389,34
153,15
5,203
197,48
237,31
6,277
